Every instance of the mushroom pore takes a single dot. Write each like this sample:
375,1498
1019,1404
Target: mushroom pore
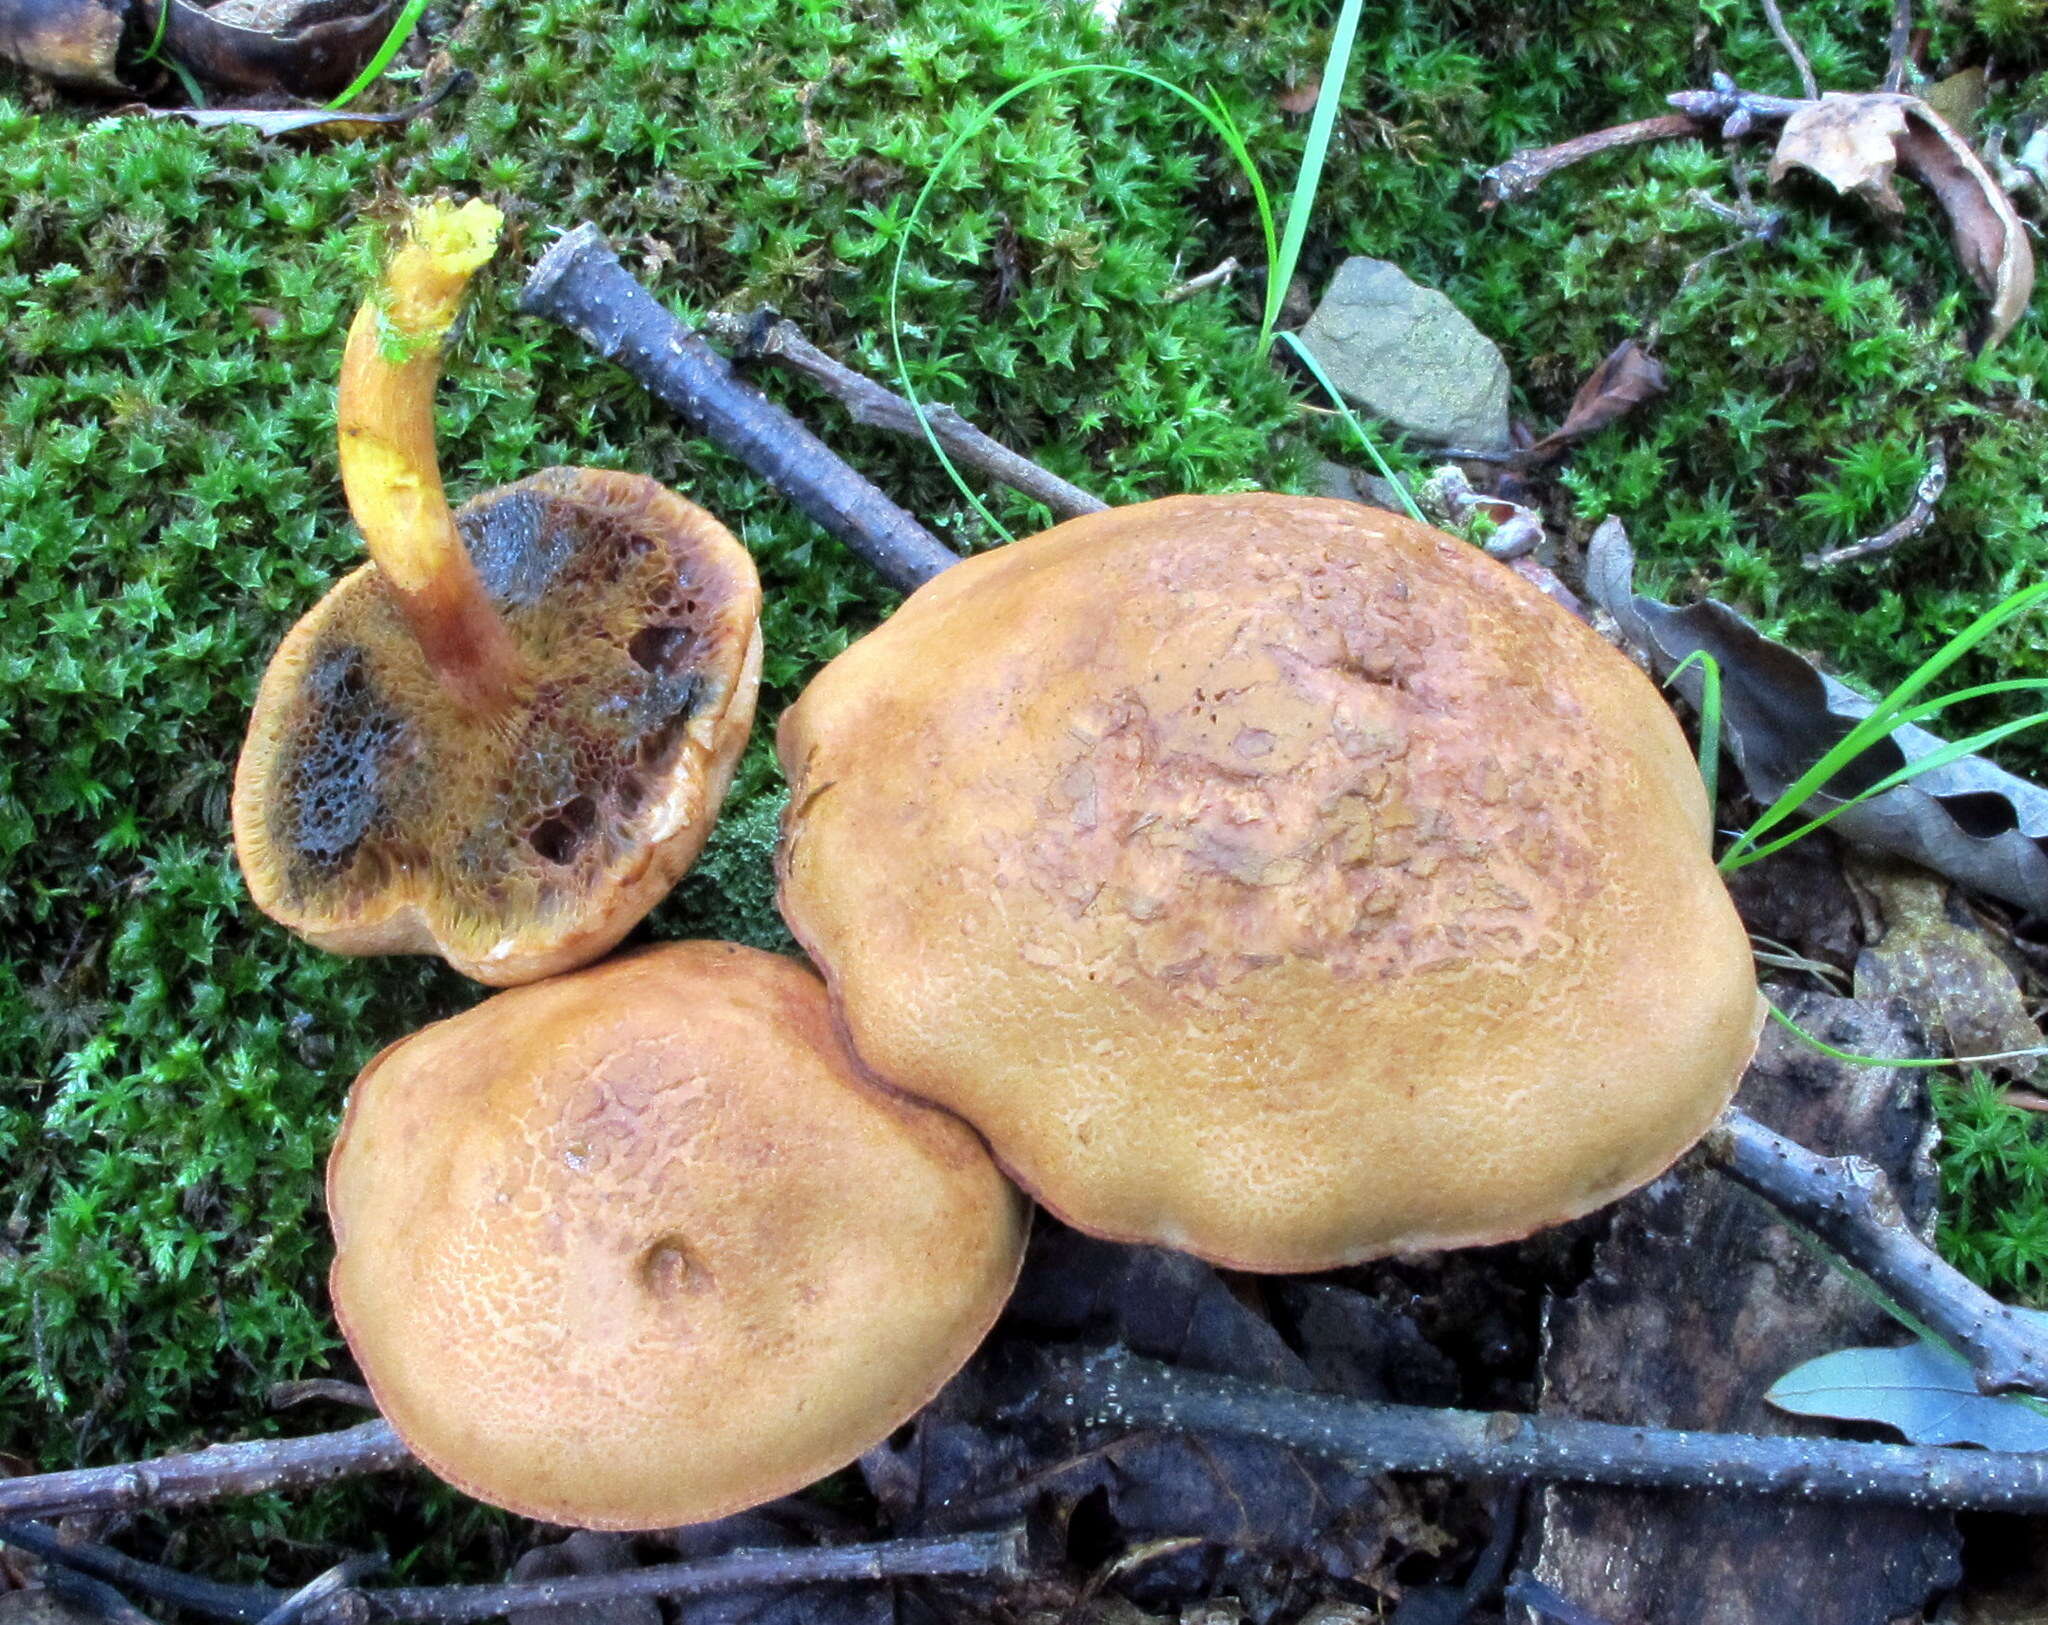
506,737
1271,878
638,1246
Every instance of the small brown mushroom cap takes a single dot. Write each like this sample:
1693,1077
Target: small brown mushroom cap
1271,878
639,1247
373,814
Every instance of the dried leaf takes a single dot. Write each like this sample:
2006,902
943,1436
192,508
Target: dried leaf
278,122
1968,820
1923,1390
311,49
1855,142
74,42
1625,380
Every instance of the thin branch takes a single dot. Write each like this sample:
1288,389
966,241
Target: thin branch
247,1468
1119,1391
769,336
1726,109
994,1555
1901,46
1848,1205
1807,82
1215,276
581,284
1910,524
1530,168
1000,1554
246,1604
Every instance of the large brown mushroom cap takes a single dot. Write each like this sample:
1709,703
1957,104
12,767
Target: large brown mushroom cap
638,1247
1271,878
374,814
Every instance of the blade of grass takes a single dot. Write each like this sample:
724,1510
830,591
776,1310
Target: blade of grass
1371,446
1322,124
1212,113
1885,718
1734,860
1710,719
1828,1049
402,26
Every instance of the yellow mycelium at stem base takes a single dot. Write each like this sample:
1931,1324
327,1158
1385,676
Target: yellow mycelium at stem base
385,415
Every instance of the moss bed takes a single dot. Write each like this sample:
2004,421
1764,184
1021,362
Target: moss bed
172,307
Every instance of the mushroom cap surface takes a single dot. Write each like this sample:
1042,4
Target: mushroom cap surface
638,1246
1272,878
373,815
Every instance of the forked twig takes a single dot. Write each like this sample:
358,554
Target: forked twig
1847,1204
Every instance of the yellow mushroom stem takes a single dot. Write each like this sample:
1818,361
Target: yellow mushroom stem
388,465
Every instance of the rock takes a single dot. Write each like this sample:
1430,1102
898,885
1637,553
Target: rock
1355,485
1405,353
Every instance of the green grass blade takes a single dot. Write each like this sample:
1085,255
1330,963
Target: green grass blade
1734,859
1211,113
1322,124
1828,1049
401,30
1371,446
1710,720
1881,721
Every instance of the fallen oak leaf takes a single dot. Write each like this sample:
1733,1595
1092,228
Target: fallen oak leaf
1628,377
1967,819
312,49
1855,142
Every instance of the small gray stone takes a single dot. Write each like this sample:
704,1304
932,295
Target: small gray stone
1405,353
1355,485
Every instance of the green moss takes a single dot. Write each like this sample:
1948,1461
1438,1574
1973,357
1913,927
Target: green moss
172,307
1994,1165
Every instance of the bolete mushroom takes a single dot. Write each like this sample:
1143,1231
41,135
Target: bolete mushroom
638,1246
507,736
1272,878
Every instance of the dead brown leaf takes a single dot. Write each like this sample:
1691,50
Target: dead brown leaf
1625,380
1856,143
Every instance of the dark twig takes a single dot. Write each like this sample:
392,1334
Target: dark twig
581,284
1901,46
1119,1391
248,1468
1910,524
247,1604
1776,19
1847,1204
96,1596
1000,1554
768,336
1215,276
1531,167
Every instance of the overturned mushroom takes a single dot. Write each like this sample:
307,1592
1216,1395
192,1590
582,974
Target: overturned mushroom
638,1246
505,738
1271,878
